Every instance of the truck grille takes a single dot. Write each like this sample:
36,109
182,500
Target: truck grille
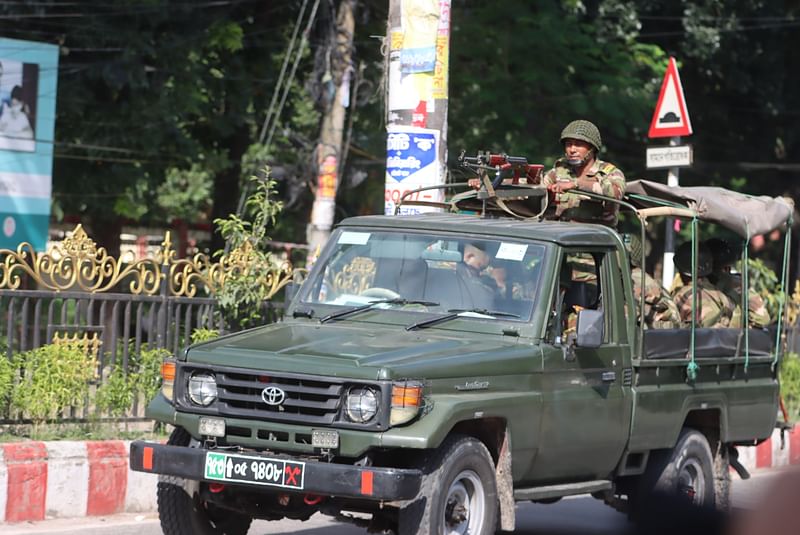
305,400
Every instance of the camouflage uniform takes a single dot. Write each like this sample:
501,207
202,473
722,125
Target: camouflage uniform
757,313
714,307
660,311
601,177
724,257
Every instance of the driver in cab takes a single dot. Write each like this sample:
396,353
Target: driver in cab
478,289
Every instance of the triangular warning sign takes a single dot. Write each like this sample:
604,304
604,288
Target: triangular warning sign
671,118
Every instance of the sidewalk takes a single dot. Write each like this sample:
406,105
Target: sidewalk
43,480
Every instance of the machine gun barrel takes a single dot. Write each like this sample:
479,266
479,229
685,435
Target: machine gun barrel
505,166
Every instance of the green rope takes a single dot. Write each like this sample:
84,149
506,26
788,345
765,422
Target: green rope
785,269
746,296
692,367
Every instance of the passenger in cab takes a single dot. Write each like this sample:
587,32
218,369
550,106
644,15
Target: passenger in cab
581,170
714,308
724,257
660,311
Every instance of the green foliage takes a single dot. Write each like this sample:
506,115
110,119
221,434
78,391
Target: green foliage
185,191
766,283
790,384
242,295
54,378
610,79
7,376
204,335
142,379
117,393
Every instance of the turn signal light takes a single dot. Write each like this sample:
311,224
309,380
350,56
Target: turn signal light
406,402
406,395
168,370
168,378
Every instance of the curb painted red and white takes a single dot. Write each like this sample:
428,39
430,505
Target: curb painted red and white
42,480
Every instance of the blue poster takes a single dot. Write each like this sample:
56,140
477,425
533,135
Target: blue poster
414,60
28,81
411,163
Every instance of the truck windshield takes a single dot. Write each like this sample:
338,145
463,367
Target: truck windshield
445,272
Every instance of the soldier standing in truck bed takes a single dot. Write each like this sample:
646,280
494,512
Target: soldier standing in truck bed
581,170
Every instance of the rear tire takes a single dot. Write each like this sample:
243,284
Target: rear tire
182,512
458,493
686,471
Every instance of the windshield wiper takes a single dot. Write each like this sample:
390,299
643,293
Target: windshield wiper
361,308
456,312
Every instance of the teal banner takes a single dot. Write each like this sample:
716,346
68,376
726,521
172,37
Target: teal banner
28,82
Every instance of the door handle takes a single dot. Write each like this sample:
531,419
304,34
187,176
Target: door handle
609,377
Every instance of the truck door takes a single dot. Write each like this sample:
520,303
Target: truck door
586,397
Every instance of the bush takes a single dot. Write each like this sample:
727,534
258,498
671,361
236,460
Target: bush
246,286
790,384
122,386
204,335
7,375
54,378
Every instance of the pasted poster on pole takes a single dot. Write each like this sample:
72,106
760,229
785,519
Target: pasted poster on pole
28,80
410,164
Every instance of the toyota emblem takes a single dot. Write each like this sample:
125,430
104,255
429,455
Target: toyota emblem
272,395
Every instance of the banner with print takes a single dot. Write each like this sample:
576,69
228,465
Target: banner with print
28,80
411,163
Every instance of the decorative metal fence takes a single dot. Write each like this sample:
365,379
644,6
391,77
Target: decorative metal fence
76,293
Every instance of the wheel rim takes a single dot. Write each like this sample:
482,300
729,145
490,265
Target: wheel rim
692,481
464,506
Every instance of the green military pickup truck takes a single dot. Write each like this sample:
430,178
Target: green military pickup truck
435,369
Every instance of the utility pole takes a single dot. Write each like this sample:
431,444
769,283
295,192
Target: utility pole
418,39
329,149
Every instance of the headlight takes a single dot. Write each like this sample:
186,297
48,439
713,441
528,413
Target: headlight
202,389
361,404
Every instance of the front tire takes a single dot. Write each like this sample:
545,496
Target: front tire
182,512
458,493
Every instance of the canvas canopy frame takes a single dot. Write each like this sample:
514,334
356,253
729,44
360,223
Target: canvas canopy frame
745,215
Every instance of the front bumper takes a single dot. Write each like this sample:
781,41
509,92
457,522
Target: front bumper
328,479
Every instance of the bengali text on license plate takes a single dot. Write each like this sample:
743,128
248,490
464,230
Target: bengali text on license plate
258,470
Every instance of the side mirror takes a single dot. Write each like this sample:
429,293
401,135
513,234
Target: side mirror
590,328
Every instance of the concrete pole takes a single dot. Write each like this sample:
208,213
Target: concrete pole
418,42
329,149
668,271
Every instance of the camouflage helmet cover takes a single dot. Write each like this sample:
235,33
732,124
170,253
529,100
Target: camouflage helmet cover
683,260
583,130
722,253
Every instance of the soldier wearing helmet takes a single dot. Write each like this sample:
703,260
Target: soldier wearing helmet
581,170
723,258
714,307
660,311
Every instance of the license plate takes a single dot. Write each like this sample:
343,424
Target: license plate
254,470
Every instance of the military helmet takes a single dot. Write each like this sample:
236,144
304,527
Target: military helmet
633,244
583,130
683,260
722,253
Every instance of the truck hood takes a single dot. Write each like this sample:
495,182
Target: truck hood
366,351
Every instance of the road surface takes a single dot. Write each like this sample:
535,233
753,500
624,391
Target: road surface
579,515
